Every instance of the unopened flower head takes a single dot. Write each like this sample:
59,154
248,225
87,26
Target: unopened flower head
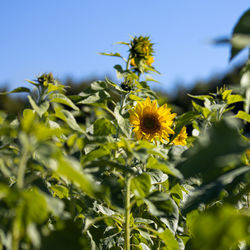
141,47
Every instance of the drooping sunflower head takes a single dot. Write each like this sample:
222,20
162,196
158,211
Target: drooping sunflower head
180,139
141,47
151,122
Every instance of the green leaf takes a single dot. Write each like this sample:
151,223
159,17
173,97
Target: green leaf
209,192
67,116
120,73
153,163
71,169
112,54
201,97
17,90
60,98
35,205
221,228
135,98
105,163
140,185
212,151
96,154
103,127
243,115
160,204
60,191
93,97
234,98
123,123
151,79
176,193
41,109
28,119
124,43
241,28
53,87
169,240
184,120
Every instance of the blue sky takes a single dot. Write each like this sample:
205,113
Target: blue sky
64,37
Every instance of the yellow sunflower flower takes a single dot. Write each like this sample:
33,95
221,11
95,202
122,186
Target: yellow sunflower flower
150,122
180,139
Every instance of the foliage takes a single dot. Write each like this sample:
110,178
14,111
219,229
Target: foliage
67,184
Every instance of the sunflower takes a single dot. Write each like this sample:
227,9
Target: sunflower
150,122
180,139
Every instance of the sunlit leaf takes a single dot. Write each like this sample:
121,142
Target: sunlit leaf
60,98
243,115
17,90
41,109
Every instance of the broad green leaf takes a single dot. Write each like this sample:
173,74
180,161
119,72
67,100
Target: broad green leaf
43,132
60,98
103,127
135,98
28,119
41,109
209,192
94,98
114,86
201,97
123,123
140,185
243,115
105,163
240,41
71,170
150,79
234,98
221,228
212,151
153,163
17,90
226,93
176,193
60,191
169,240
241,28
120,73
163,206
96,154
35,205
67,116
53,87
203,110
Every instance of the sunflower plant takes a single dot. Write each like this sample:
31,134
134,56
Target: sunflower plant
110,168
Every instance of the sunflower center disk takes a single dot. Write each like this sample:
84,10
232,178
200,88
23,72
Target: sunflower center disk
150,124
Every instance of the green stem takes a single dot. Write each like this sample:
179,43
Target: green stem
127,213
21,169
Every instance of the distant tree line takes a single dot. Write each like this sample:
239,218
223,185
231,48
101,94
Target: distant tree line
180,102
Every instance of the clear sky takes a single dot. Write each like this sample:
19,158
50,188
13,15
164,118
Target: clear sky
64,37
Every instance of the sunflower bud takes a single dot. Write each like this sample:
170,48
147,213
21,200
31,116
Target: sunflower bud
141,47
